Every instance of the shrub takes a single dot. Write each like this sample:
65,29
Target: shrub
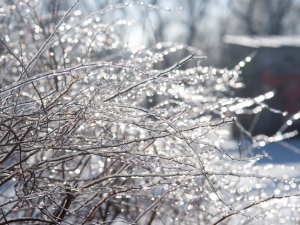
80,146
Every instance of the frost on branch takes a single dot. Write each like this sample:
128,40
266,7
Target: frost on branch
79,146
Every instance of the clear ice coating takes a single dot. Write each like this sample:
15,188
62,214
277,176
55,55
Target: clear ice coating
92,130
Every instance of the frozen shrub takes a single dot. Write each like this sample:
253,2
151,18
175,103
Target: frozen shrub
79,147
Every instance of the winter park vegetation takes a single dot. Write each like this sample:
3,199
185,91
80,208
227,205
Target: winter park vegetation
79,145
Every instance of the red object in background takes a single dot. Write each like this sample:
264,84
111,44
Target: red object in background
288,87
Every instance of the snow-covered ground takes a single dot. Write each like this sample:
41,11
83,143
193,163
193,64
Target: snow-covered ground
284,164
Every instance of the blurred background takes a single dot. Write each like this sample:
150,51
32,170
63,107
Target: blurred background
226,31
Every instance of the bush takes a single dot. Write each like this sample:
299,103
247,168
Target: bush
79,145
